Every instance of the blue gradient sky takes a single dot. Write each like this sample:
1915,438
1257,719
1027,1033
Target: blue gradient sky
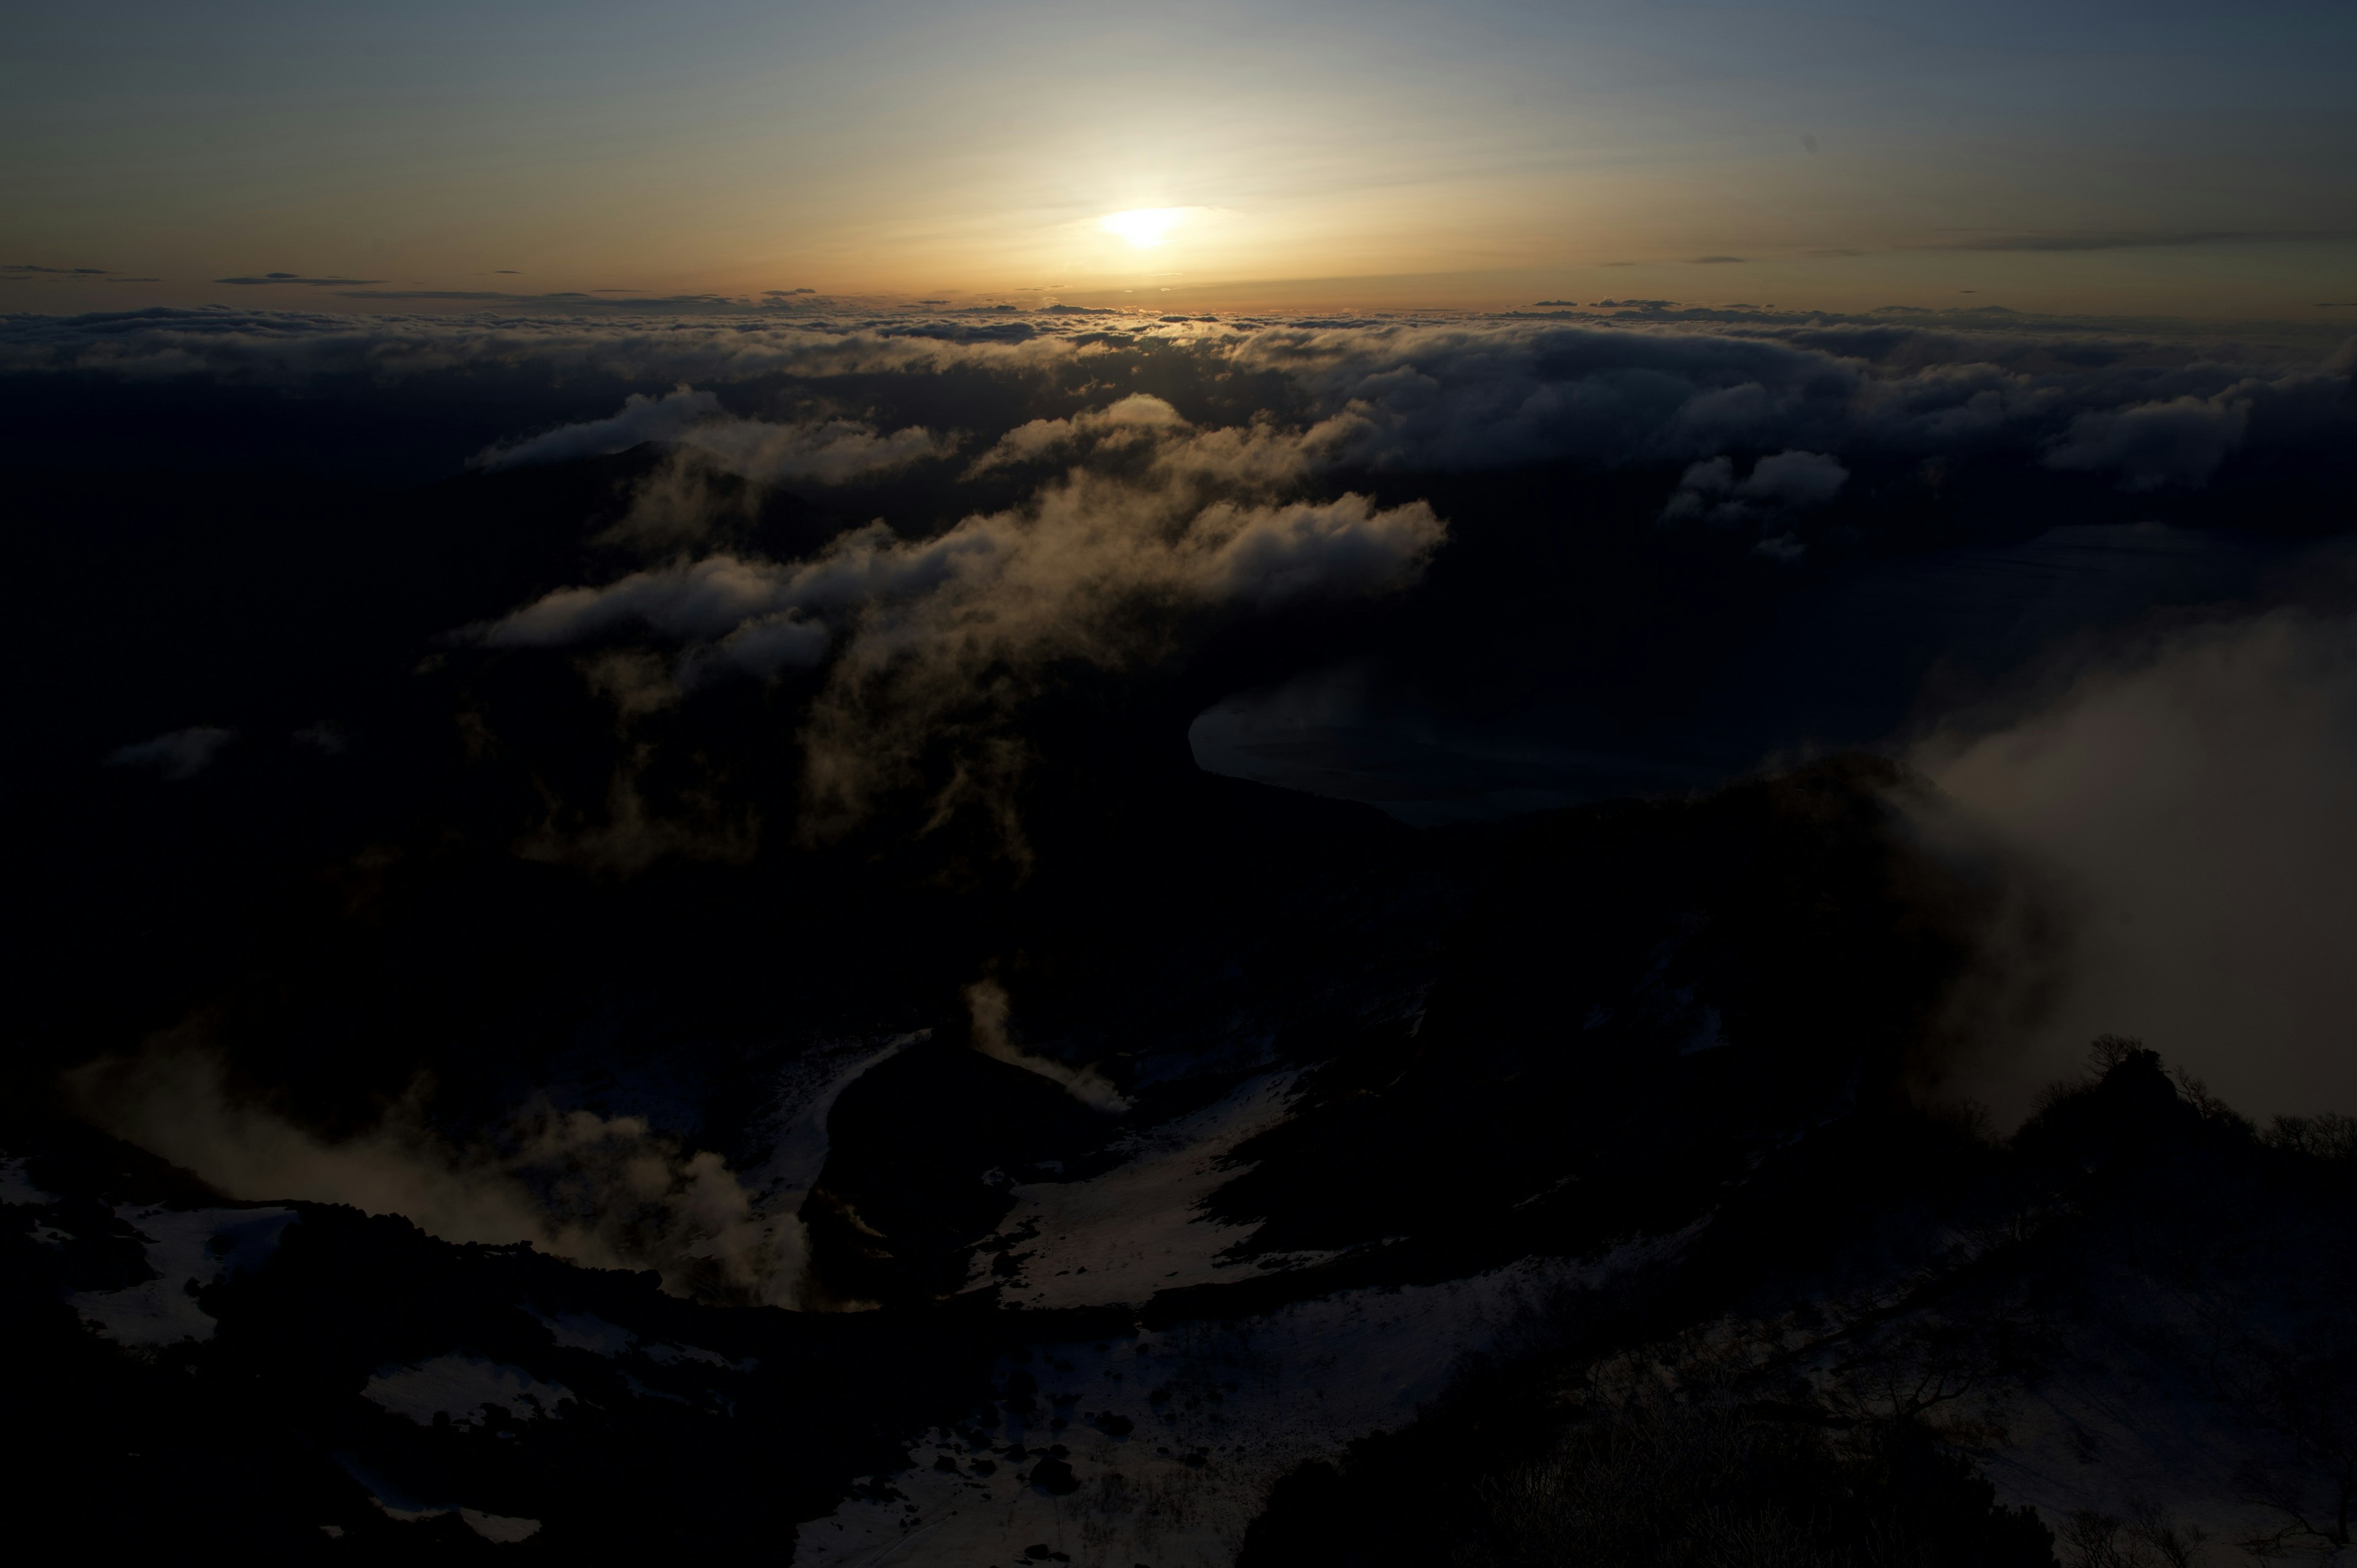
2094,157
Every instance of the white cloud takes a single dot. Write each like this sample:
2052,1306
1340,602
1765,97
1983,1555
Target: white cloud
701,599
828,451
1139,418
914,625
1080,572
643,419
2180,441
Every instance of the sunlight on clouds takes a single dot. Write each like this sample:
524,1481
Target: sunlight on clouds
1143,227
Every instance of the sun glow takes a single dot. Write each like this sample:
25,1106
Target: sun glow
1143,227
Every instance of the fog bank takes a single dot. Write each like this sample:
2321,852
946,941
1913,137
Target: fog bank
2197,800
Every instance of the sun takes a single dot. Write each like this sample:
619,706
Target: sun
1143,227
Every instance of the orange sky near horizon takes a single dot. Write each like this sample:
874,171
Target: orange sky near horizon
1823,157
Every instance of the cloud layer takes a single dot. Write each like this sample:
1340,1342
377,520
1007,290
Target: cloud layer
828,451
1649,385
1118,472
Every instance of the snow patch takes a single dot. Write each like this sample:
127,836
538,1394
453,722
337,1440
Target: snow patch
806,1095
1174,1437
671,1355
16,1185
1118,1238
188,1250
588,1331
645,1391
396,1502
502,1527
460,1387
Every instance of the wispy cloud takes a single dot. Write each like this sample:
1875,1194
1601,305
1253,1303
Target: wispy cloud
26,272
296,280
2129,240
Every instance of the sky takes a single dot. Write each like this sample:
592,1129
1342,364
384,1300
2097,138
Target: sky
2100,156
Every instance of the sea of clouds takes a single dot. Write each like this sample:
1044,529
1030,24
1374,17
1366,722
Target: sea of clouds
1093,489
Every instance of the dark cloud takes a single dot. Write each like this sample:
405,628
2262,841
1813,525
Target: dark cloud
597,299
294,279
965,332
1786,482
627,302
2124,240
2178,441
1662,385
1426,397
1717,261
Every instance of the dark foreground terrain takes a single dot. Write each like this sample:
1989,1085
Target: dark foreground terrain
1767,1311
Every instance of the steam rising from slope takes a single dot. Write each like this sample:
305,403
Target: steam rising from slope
986,1001
607,1193
2199,800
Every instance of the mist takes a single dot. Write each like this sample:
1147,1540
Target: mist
605,1192
2194,801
